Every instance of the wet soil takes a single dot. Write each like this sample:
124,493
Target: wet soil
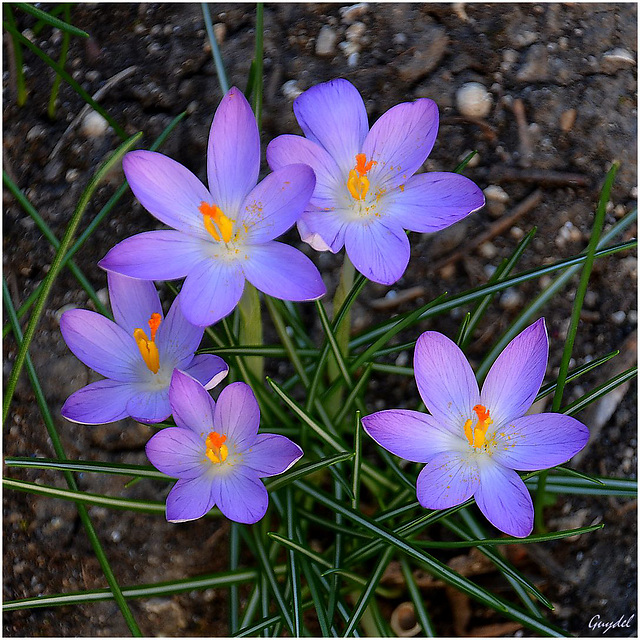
562,81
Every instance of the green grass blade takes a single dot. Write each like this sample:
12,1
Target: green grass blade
416,597
333,343
461,167
68,79
156,589
215,49
357,462
621,487
250,331
257,59
270,577
296,592
64,50
234,593
599,392
369,591
307,469
21,88
51,20
50,236
56,266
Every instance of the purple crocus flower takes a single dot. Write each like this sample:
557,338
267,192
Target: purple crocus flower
217,453
137,354
366,193
223,234
473,441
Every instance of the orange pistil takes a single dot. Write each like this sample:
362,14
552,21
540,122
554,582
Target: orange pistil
217,451
147,346
358,183
476,436
215,222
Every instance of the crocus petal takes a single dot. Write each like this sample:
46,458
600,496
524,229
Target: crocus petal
240,495
177,338
400,141
271,454
448,480
98,403
207,369
167,190
177,452
101,344
211,291
322,230
333,114
276,203
378,249
132,301
192,407
539,441
288,149
433,201
233,155
237,415
410,435
283,272
515,377
149,406
155,255
504,500
445,381
190,499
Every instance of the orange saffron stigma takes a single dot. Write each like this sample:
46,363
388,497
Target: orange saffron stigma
476,436
358,183
217,451
215,222
147,346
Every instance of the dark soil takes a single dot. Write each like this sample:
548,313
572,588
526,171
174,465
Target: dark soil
562,103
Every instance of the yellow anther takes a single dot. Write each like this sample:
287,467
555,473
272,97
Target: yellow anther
215,222
476,436
357,182
216,451
147,346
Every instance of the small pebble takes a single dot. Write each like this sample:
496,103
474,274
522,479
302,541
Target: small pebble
617,59
496,193
353,12
355,31
400,39
511,299
220,32
61,310
618,317
516,233
35,132
473,100
568,119
326,41
619,211
488,250
291,89
71,175
103,296
94,125
353,59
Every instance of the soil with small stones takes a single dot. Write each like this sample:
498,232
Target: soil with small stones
562,83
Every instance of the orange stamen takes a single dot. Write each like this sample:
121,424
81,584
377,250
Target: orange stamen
216,451
147,346
357,182
215,222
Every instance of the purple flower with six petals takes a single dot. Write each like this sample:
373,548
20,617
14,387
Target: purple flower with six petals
217,453
223,234
366,193
474,441
137,354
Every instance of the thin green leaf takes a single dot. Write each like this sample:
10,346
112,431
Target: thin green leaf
461,167
257,59
307,469
215,49
250,313
600,391
64,50
354,395
416,597
21,88
357,462
234,561
335,348
49,19
578,474
369,591
578,486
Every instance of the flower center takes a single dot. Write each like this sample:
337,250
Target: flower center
147,346
358,183
476,435
215,222
217,451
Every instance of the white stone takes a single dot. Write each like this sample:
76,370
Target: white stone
496,193
94,125
326,41
353,12
291,90
617,59
473,100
